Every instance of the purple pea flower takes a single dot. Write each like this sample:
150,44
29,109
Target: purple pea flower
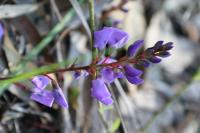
100,91
110,36
1,31
47,97
108,73
132,74
132,49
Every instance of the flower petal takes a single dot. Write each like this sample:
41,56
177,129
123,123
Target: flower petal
101,38
99,89
108,74
131,71
118,38
132,49
164,54
158,45
134,80
1,31
114,37
44,97
41,81
107,101
59,97
168,46
155,59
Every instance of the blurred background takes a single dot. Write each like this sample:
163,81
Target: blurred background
167,102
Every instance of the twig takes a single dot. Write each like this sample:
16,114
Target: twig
56,10
134,119
103,121
79,12
118,109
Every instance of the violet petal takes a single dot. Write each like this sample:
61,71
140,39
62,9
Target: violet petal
114,37
99,89
59,97
101,38
131,71
107,101
108,74
134,80
118,38
132,49
1,31
41,81
44,97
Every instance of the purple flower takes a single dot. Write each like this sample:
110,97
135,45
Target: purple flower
41,81
132,49
108,73
132,74
59,97
44,97
1,31
47,97
110,36
100,91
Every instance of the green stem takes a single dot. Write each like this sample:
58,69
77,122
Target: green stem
92,27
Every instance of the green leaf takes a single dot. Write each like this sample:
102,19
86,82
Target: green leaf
197,75
34,72
115,125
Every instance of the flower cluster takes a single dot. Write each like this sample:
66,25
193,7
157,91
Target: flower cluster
106,69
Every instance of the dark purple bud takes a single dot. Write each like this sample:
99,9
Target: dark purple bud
132,49
154,59
168,46
164,54
107,101
143,63
134,80
131,71
158,45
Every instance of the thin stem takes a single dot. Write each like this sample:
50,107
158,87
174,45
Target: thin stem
92,28
102,120
118,109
